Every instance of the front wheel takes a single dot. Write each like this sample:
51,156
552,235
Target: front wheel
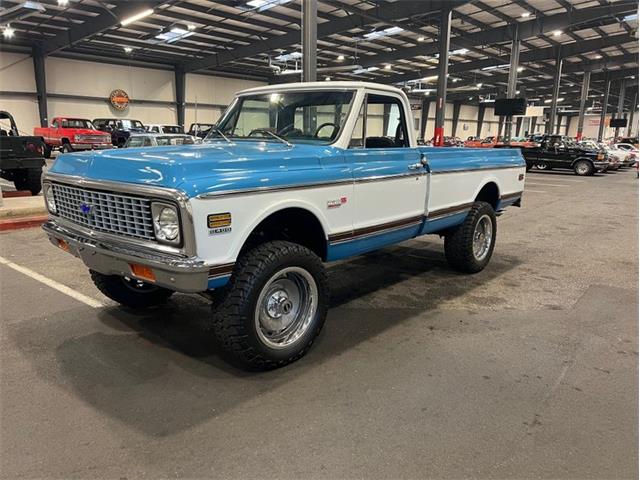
469,246
583,168
130,292
273,307
66,148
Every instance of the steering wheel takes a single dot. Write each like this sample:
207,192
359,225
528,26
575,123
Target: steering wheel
327,124
290,129
259,130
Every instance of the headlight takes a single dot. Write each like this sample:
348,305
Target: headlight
601,156
49,199
166,223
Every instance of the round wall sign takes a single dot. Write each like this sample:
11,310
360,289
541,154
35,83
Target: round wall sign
119,99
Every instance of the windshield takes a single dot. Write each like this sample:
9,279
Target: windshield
185,140
297,117
129,124
172,129
77,123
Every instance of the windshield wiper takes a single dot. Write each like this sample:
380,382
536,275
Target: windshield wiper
277,137
216,129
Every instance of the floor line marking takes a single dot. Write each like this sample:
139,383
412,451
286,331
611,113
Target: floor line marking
529,190
53,284
548,184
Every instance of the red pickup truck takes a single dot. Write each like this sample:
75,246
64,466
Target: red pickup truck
71,134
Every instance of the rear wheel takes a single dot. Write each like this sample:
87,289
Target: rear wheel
468,247
543,166
583,168
28,179
273,307
129,291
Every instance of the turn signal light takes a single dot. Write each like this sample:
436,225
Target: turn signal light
63,245
142,271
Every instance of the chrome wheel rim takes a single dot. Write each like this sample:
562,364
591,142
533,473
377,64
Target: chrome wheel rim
482,236
286,307
582,168
541,166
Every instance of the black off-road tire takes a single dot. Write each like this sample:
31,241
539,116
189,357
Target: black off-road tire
29,179
458,242
118,289
233,310
66,148
589,170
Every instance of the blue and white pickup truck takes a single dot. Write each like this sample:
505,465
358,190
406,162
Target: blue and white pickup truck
291,177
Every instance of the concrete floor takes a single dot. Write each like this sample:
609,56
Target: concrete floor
528,369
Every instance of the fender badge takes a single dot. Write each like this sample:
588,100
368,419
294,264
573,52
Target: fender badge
336,203
219,223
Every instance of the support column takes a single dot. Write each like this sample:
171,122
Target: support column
603,110
456,117
500,125
481,109
533,125
551,125
583,103
513,79
309,39
443,68
566,127
424,116
41,85
623,86
632,113
180,78
518,126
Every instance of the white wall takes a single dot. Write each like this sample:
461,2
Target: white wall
592,124
16,75
94,79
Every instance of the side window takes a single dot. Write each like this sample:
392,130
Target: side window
382,124
56,124
147,142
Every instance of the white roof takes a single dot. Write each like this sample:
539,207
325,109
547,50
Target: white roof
320,86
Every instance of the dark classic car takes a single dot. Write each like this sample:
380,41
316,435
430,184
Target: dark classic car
21,156
557,151
119,128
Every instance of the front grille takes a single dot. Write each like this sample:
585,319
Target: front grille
93,139
105,212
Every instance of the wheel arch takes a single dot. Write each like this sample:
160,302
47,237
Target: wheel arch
578,159
298,222
489,192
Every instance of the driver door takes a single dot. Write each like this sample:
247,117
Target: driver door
390,181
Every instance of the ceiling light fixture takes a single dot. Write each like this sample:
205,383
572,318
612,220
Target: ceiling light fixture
191,27
421,39
128,49
63,3
285,57
517,92
340,58
366,70
383,33
479,85
136,17
520,69
174,35
387,66
526,15
262,5
8,32
326,79
557,33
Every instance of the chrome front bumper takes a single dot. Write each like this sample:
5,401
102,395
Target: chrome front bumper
91,146
181,274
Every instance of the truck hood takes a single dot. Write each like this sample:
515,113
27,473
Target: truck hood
203,168
87,131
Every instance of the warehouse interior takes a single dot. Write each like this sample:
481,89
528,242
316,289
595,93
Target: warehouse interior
481,317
